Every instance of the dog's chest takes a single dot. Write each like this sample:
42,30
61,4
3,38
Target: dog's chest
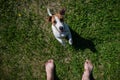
63,34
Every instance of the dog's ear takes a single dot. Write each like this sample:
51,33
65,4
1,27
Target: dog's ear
62,12
50,18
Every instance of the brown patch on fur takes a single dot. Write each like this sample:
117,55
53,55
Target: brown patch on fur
62,12
59,15
52,18
49,18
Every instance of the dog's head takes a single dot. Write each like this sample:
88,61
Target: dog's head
57,19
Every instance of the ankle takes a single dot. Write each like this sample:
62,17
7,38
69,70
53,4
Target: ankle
86,73
50,76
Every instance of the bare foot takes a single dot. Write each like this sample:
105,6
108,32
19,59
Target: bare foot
49,66
88,67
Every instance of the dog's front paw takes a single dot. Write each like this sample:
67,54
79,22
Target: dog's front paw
63,43
70,41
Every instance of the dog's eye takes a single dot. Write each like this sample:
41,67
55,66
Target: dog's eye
61,20
55,21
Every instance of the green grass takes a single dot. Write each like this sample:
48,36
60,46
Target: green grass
27,41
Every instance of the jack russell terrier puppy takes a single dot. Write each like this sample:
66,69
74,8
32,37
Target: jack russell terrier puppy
59,27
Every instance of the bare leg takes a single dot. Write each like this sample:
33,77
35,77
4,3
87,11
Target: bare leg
49,66
88,67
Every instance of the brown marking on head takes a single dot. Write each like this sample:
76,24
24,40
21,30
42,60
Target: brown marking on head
62,12
52,18
59,15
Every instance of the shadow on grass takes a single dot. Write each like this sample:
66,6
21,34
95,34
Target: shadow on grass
91,77
82,43
55,74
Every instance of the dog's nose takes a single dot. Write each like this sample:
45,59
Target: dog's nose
61,28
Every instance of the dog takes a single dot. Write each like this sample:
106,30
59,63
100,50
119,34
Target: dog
59,28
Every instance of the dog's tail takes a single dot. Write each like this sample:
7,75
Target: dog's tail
49,13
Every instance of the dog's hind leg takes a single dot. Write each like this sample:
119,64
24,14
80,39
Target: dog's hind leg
70,38
69,35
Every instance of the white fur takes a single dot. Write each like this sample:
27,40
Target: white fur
49,13
60,35
56,30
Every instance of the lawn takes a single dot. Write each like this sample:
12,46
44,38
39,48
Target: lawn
27,41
